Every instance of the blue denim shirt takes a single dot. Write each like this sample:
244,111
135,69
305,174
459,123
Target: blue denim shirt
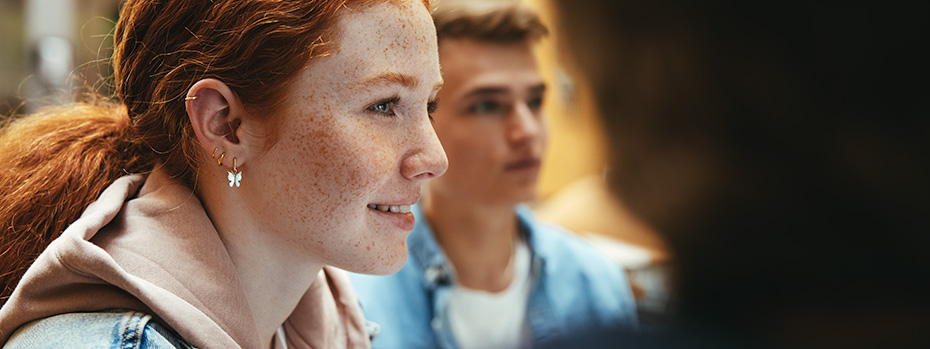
574,288
118,329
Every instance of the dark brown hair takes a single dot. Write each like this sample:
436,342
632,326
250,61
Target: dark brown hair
487,20
780,148
58,160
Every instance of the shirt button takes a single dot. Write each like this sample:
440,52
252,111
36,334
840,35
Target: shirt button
436,323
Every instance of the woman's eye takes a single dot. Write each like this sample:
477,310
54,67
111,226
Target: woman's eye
431,108
385,107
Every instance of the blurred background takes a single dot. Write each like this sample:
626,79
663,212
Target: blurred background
52,51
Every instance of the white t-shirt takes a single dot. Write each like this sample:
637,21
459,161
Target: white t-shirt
481,319
282,341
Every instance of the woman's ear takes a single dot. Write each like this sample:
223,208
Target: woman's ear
216,115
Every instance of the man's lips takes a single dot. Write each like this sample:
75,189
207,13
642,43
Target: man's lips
522,164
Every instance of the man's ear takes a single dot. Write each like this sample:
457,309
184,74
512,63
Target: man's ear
216,115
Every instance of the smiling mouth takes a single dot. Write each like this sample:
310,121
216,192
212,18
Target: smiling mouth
391,208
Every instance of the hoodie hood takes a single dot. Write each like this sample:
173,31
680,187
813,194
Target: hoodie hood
147,244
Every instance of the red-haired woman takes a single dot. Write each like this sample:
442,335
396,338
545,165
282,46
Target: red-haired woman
255,148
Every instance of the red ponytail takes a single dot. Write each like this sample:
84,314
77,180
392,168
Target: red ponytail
52,165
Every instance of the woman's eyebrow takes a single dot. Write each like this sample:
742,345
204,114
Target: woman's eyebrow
405,80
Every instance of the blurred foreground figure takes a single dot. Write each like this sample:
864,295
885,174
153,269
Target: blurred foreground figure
781,151
483,272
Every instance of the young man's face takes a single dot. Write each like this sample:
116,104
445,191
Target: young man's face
489,121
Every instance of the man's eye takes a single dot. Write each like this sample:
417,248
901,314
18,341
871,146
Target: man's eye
485,107
385,107
535,103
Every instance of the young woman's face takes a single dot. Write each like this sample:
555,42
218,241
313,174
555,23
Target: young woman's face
356,140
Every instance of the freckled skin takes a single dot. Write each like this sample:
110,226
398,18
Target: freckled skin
480,145
334,156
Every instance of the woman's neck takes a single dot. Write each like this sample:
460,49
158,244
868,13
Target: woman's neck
273,278
273,286
478,239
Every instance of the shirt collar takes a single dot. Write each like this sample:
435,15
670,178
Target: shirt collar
426,253
437,271
534,239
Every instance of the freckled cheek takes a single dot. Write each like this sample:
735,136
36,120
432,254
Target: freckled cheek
334,169
353,165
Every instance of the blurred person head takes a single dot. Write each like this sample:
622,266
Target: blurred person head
298,96
490,116
779,148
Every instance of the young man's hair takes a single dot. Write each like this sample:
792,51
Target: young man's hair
501,21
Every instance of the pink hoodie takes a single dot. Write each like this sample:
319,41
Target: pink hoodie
155,250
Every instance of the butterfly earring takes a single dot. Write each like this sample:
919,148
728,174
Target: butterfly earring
234,176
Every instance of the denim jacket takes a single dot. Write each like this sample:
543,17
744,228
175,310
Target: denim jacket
116,329
574,288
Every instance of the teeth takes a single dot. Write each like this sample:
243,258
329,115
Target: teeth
391,208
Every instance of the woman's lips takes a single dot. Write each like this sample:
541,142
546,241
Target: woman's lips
522,165
401,218
391,208
396,212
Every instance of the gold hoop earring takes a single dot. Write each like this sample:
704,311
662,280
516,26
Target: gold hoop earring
234,176
190,98
214,152
219,162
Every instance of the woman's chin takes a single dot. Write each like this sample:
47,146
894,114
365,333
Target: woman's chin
385,263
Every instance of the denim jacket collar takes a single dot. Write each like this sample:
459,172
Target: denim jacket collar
425,251
572,289
437,270
438,275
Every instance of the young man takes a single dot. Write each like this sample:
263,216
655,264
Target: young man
482,271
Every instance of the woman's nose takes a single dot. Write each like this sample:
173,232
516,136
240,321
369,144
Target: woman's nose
426,158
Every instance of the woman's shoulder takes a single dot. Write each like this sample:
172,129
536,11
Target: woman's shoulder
111,329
